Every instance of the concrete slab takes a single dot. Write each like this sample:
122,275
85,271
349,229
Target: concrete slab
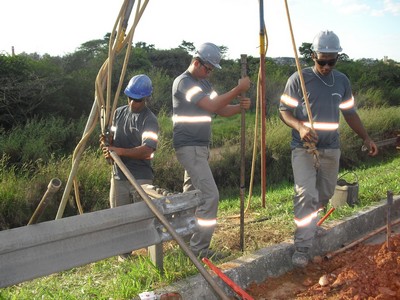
275,260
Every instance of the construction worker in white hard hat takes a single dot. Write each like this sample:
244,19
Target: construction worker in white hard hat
134,137
329,93
194,102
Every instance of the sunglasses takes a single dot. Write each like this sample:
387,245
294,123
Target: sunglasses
208,69
136,100
330,62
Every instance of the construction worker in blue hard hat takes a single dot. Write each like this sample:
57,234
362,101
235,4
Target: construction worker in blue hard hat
134,137
194,102
329,94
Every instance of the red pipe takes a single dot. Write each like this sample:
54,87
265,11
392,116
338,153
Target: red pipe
326,216
227,280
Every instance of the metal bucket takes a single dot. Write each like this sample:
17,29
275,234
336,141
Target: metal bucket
345,191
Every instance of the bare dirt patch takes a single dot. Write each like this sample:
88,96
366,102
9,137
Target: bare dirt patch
259,232
362,272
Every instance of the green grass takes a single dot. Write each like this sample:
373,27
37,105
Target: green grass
108,279
23,185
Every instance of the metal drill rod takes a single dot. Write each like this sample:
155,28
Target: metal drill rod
243,60
388,219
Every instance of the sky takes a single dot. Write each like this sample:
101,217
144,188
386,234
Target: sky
366,28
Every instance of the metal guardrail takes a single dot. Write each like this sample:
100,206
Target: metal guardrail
41,249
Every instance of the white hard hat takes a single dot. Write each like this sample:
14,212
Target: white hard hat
326,42
209,53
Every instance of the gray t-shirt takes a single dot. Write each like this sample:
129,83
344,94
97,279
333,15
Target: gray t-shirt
191,124
327,95
132,130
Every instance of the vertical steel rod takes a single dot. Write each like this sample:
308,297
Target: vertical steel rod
388,219
243,60
263,103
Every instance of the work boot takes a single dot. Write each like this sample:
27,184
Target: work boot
211,254
300,257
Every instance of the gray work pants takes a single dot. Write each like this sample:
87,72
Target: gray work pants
122,192
313,189
194,160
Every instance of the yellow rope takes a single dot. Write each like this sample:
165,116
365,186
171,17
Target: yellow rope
118,41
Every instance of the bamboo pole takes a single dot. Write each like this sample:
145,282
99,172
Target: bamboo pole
311,146
118,41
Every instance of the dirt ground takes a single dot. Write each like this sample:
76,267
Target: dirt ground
366,271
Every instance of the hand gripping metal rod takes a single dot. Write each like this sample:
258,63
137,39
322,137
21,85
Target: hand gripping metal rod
170,229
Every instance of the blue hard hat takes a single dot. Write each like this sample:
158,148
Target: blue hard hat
139,86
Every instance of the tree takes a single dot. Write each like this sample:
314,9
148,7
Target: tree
306,52
145,46
188,47
24,86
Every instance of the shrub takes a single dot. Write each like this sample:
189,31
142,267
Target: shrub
24,184
40,139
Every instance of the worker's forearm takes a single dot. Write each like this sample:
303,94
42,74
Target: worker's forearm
290,120
141,152
221,101
229,110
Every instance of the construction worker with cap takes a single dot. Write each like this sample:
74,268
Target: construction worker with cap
329,93
134,137
194,103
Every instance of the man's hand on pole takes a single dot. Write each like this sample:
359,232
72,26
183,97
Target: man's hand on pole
244,84
245,102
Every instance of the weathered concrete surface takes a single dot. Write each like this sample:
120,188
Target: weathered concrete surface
276,260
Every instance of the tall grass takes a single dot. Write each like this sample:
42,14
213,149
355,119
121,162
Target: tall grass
25,179
14,209
108,279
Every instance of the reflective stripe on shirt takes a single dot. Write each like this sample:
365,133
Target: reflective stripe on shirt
347,104
292,102
191,119
149,135
322,125
192,92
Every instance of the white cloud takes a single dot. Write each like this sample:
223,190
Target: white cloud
392,7
375,9
354,8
